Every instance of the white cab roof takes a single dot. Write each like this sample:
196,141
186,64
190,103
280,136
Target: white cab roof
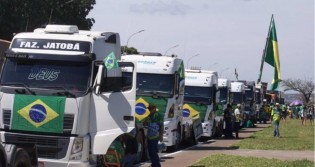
237,87
224,82
202,78
154,64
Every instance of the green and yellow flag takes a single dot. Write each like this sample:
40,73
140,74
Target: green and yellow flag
110,61
271,55
189,111
38,113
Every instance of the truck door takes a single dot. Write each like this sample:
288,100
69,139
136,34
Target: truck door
112,106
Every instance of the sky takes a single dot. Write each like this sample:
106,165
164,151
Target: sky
220,35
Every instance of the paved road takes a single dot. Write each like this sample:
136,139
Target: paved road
189,156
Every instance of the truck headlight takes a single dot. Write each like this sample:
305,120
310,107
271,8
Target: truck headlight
76,151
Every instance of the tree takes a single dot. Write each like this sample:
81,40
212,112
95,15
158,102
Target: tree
129,50
26,15
304,87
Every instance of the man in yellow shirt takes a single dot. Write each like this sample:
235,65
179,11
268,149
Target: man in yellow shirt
276,116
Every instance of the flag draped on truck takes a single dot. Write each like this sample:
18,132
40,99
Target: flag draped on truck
38,113
271,55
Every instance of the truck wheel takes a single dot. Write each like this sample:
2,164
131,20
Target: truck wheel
214,129
2,160
193,140
3,156
219,130
141,147
21,159
178,139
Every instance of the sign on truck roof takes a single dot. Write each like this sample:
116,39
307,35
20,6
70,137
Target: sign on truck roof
156,64
223,82
67,40
237,87
201,78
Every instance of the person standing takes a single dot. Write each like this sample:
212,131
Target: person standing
155,134
311,114
284,112
228,121
303,114
276,116
298,113
238,117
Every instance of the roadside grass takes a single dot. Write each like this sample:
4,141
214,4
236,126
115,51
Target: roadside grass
293,136
223,160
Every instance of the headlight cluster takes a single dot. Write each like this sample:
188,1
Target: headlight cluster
77,147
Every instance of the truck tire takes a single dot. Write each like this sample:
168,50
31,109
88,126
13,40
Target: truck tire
3,157
2,160
219,130
176,146
141,154
193,140
21,158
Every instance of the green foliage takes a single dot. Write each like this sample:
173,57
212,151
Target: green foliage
222,160
293,136
129,50
26,15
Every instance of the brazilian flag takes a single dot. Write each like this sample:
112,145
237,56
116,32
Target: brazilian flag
38,113
110,61
189,111
272,55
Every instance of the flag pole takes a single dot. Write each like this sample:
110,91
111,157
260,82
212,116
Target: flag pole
264,52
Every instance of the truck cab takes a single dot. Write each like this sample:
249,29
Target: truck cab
160,80
224,87
62,90
238,97
250,100
201,97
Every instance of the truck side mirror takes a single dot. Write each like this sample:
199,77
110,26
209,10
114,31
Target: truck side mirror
177,87
99,78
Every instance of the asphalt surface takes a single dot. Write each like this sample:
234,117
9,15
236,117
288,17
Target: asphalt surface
189,155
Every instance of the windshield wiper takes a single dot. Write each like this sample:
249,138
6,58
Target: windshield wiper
21,84
65,92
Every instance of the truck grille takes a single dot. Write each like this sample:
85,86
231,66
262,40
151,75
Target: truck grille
6,118
68,120
68,123
52,147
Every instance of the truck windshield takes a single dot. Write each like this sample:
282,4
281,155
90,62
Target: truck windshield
223,95
198,94
237,97
258,98
249,94
55,76
155,84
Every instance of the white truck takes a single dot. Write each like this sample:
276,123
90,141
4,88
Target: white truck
200,98
224,86
160,80
238,97
62,90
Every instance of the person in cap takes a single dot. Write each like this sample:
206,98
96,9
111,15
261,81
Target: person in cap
238,118
155,134
276,116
